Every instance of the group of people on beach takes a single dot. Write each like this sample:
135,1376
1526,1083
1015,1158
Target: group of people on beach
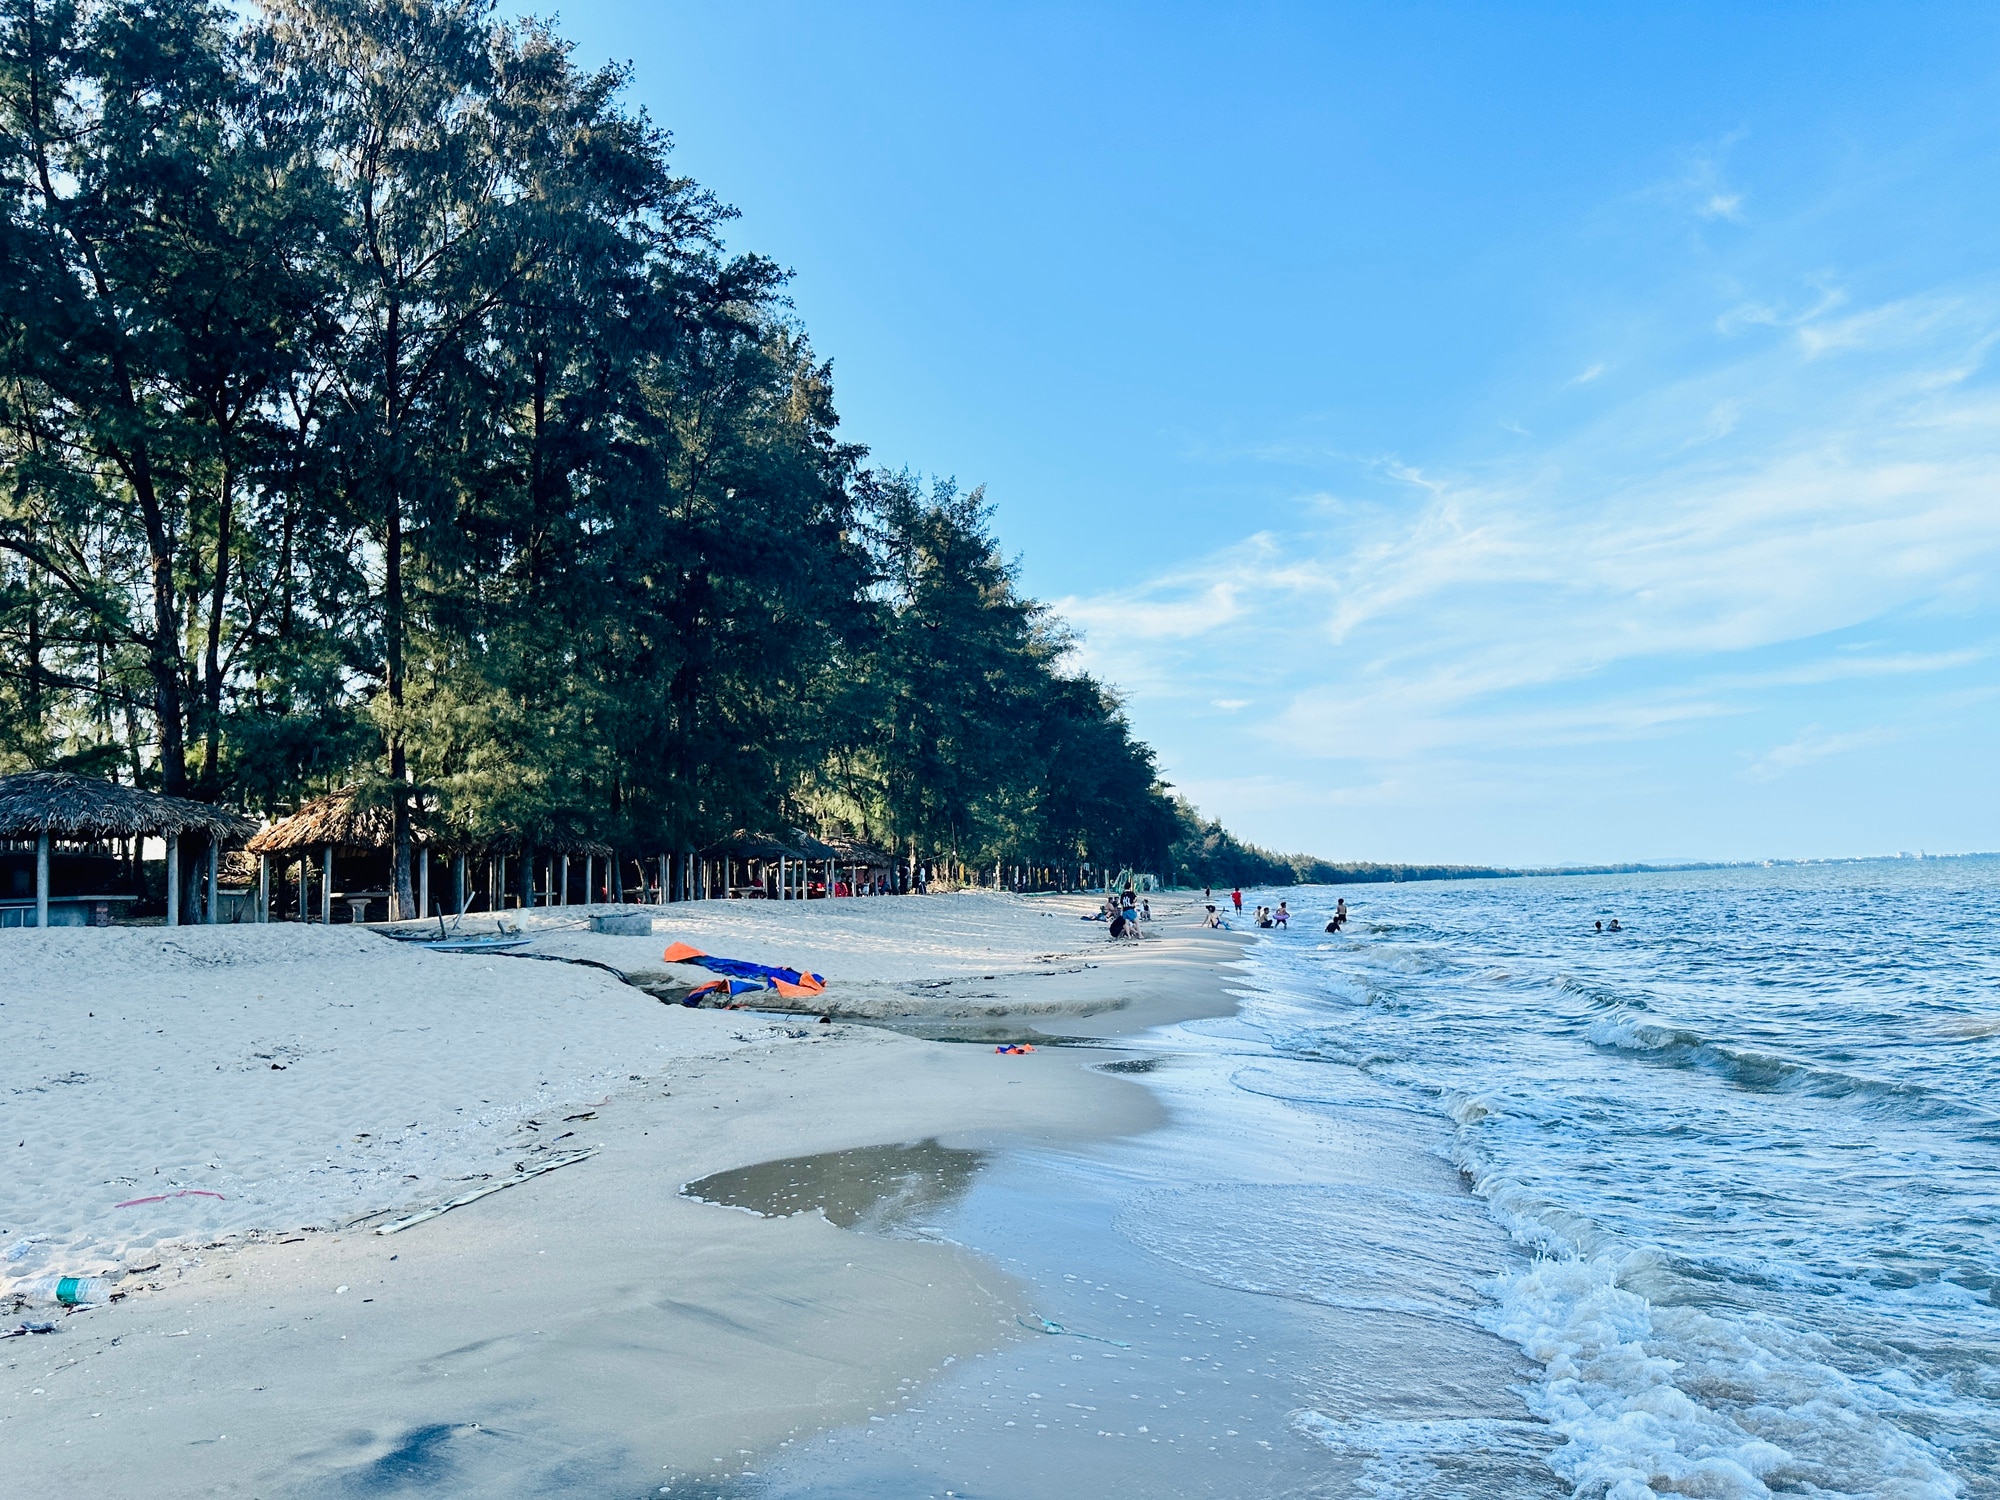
1124,912
1268,916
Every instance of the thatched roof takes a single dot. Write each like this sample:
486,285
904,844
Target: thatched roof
77,807
344,818
574,844
360,817
745,845
811,848
853,852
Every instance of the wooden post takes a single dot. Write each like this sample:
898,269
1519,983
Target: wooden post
326,886
663,880
173,843
263,888
214,882
42,878
781,877
617,891
424,882
589,869
500,885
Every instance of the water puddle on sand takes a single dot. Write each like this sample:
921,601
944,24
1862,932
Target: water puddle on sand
873,1189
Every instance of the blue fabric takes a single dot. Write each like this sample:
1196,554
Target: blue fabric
742,968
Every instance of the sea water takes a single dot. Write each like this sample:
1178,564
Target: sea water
1753,1140
1476,1200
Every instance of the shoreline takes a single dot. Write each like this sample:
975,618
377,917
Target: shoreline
594,1316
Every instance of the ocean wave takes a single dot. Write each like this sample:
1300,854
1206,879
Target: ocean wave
1653,1399
1767,1072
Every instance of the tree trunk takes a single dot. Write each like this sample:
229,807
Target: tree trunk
212,655
404,898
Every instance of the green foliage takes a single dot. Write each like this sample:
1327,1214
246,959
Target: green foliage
377,404
1207,854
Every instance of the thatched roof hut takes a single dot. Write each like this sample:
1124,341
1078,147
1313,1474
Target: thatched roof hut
65,806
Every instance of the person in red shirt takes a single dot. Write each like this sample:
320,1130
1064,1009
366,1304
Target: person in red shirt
1237,897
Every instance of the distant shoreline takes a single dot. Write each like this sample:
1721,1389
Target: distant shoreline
1368,872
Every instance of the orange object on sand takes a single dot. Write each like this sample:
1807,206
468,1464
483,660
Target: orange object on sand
680,953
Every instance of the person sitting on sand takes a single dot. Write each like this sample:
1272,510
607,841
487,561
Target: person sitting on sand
1117,927
1214,917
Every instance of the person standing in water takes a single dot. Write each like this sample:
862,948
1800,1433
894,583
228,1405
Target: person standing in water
1339,916
1237,897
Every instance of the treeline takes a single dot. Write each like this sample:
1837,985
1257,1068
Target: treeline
377,402
1205,853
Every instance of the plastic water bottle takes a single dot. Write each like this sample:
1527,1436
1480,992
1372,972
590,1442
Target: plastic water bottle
69,1291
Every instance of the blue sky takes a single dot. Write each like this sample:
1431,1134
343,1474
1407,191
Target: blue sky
1491,433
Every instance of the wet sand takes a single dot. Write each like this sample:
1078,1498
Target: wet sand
593,1331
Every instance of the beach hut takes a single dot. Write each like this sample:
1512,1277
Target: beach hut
345,843
861,867
81,884
347,838
544,869
754,865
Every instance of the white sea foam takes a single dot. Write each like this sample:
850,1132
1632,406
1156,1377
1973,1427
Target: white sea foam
1403,1459
1673,1400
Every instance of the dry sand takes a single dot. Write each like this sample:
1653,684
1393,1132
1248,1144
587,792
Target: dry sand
576,1333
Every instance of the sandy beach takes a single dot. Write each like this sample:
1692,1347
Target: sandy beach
220,1120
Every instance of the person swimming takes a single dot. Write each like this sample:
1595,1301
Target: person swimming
1339,918
1614,925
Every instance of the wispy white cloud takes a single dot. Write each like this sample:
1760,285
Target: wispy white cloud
1815,744
1607,587
1701,187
